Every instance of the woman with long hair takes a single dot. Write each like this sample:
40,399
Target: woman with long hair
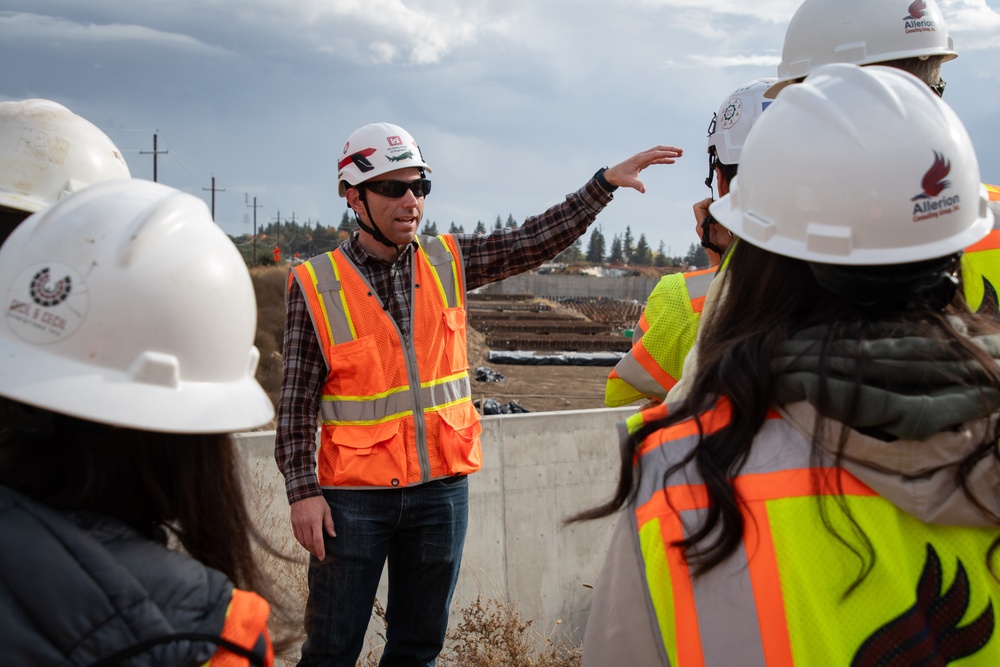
128,359
829,491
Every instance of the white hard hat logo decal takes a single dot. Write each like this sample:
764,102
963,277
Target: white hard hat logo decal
46,303
731,114
48,292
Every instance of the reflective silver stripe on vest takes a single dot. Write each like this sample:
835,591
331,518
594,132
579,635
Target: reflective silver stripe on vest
794,454
727,608
631,371
724,596
440,258
329,289
697,286
373,409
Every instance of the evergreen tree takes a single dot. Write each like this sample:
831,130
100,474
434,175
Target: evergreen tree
498,224
455,229
595,249
616,256
628,247
696,257
480,227
643,255
661,258
511,222
572,254
347,223
429,229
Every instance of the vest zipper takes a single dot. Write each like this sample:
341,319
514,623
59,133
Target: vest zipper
419,425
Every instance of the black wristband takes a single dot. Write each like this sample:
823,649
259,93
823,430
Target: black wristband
603,181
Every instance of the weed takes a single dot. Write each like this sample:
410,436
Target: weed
492,633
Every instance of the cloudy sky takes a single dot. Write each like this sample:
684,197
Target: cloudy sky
515,103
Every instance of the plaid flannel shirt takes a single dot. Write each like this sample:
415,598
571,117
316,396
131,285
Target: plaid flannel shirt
487,257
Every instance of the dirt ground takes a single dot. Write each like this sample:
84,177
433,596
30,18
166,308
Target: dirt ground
538,388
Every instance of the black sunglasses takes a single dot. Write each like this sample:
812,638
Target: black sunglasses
396,189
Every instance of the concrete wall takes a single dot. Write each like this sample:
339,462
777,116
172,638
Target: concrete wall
538,468
551,284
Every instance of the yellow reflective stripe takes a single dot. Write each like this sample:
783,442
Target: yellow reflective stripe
343,300
447,378
365,422
437,279
322,306
454,274
660,586
464,399
364,397
634,422
395,402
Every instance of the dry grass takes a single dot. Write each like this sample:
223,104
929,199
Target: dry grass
269,283
492,633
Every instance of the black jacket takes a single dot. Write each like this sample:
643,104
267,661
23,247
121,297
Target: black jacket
78,588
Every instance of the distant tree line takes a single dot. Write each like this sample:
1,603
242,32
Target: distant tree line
313,238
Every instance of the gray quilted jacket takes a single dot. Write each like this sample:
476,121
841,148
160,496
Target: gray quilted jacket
76,589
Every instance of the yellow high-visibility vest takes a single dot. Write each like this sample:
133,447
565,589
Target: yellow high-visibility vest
663,337
782,598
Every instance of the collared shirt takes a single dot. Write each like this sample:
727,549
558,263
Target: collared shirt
487,257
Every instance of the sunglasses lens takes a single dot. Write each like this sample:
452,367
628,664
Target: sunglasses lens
396,189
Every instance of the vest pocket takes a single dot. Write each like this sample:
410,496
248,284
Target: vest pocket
369,455
358,367
456,346
459,438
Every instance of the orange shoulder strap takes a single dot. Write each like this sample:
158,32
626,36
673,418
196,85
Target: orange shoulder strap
246,626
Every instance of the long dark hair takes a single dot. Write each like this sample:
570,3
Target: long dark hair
189,486
770,298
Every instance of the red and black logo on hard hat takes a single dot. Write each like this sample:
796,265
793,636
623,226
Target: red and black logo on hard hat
47,292
931,203
928,633
359,159
917,10
916,18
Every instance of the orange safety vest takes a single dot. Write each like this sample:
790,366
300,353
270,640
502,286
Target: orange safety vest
663,337
395,411
246,627
780,599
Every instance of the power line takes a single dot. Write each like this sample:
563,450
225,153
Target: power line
155,153
214,190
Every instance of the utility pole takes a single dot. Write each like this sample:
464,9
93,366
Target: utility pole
155,153
214,190
255,205
278,233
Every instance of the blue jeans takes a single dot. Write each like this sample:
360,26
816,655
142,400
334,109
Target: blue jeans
421,531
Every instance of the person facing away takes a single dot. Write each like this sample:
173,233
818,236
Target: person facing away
668,325
128,359
375,346
828,493
907,35
46,153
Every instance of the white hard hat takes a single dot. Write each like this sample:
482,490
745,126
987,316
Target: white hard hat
124,304
47,152
860,32
858,166
375,149
731,124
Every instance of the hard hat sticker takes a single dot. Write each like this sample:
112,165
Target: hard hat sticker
46,303
731,114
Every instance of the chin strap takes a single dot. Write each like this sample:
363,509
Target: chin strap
706,234
373,229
